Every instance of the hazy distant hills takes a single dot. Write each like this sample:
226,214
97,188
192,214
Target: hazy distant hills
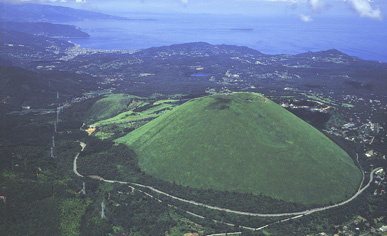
17,48
199,49
237,66
45,29
169,69
29,12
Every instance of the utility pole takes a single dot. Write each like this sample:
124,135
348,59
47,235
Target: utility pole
25,164
84,188
12,157
103,210
52,152
55,129
53,141
57,114
57,95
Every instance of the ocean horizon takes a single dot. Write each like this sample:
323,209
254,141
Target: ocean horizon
354,37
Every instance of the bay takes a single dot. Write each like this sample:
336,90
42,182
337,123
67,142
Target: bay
364,38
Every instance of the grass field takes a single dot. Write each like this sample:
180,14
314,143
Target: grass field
322,99
109,106
244,142
130,116
117,112
347,105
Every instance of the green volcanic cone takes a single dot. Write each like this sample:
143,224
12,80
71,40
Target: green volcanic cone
244,142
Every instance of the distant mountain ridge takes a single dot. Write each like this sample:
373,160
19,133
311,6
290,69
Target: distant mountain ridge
45,29
325,53
30,12
17,48
235,66
207,49
202,48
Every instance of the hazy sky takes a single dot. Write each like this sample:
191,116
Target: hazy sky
305,10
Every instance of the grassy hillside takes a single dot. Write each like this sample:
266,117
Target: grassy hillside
109,106
244,142
118,113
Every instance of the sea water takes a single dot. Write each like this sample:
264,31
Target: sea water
361,37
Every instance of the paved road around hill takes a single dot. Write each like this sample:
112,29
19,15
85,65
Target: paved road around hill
294,215
75,168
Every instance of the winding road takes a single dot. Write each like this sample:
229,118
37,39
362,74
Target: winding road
307,212
294,215
362,171
75,169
